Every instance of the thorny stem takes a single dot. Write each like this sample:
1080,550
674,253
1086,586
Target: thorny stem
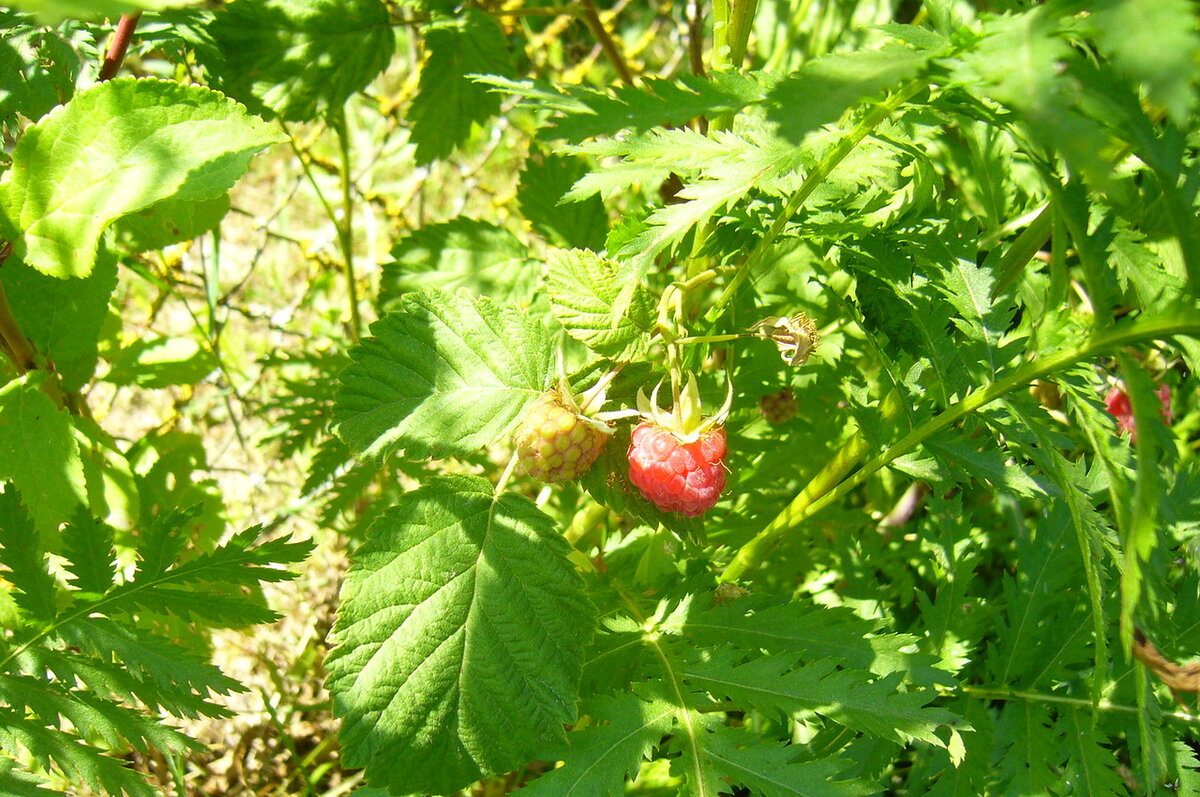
611,51
346,228
814,179
828,486
119,45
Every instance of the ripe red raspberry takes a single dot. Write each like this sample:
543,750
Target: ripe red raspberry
1119,406
676,476
778,407
555,443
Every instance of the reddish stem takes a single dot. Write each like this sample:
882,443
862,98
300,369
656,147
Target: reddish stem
118,45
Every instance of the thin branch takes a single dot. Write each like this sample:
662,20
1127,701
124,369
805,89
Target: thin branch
611,51
119,45
18,347
346,228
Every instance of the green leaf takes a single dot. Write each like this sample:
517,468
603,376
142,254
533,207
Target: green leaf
1090,765
1154,42
825,88
546,180
462,252
169,222
446,374
24,559
157,362
89,552
42,69
53,11
583,289
447,101
653,103
301,58
115,149
622,732
38,451
848,697
814,632
78,762
112,489
62,318
459,639
766,768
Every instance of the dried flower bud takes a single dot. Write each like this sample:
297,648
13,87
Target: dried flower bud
796,336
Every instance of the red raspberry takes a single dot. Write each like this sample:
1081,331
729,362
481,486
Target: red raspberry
778,407
555,443
1119,406
675,476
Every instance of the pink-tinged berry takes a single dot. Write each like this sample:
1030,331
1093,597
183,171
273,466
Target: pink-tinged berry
676,476
778,407
556,442
1121,408
677,458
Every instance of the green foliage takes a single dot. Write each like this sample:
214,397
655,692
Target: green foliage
163,141
299,59
448,103
79,678
460,638
964,245
446,373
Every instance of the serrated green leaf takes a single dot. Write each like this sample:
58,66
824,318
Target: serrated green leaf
115,149
62,318
460,253
1091,767
583,288
545,181
459,638
88,547
848,697
825,88
447,101
814,632
80,763
301,58
42,69
24,559
1154,42
767,768
38,451
654,102
446,374
622,731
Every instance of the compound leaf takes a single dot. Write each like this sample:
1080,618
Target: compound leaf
445,374
823,89
459,639
623,732
115,149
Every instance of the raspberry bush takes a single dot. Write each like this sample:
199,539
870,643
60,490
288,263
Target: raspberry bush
884,263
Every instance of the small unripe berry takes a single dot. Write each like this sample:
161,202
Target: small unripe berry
556,444
778,407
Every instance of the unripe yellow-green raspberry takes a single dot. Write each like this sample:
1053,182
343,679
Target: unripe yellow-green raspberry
555,444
